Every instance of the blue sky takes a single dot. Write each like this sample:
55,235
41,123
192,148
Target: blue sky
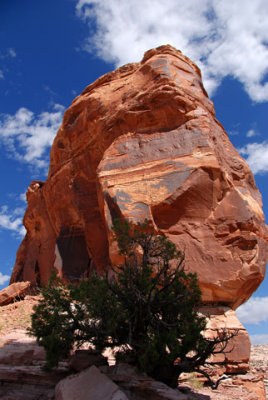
51,50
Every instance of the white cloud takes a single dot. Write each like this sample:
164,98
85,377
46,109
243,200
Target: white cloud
22,197
3,278
251,133
254,311
4,57
27,136
259,339
256,155
11,52
222,37
12,220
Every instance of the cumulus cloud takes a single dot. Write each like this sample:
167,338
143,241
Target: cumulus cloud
256,155
225,38
259,339
12,220
27,136
4,278
254,311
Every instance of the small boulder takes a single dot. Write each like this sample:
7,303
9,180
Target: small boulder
87,385
13,291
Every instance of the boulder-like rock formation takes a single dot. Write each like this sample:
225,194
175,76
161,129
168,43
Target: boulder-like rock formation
235,358
21,377
87,385
14,291
139,386
143,142
18,348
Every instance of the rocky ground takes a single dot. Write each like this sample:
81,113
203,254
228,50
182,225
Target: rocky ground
16,316
259,362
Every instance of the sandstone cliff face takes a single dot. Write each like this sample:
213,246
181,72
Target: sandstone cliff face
143,142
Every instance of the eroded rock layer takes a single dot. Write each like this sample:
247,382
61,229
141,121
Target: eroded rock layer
143,142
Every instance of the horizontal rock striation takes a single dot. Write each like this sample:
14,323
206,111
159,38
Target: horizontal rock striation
143,142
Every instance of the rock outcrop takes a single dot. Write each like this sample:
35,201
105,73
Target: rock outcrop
139,386
235,358
16,290
90,384
143,142
21,377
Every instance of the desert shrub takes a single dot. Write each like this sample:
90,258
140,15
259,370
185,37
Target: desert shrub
147,311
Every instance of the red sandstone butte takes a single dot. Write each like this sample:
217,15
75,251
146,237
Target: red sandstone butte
143,142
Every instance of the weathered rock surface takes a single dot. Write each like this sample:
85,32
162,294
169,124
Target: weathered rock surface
140,386
18,348
248,387
143,142
254,383
87,385
259,362
83,359
13,291
235,358
21,377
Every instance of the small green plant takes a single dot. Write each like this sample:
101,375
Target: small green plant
194,382
148,311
